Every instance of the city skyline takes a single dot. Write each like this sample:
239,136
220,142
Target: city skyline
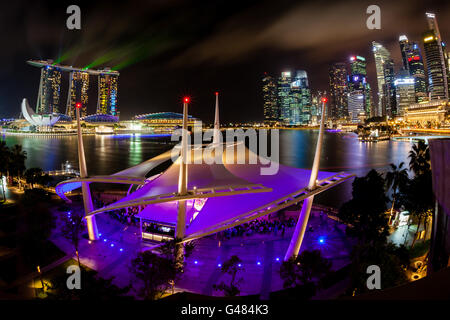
176,80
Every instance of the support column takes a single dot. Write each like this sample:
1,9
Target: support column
302,223
183,179
87,198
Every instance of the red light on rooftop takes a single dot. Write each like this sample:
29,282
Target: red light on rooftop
217,93
324,99
78,105
186,99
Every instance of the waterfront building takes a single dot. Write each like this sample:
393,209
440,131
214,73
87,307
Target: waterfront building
405,49
294,98
435,112
356,105
436,65
384,66
338,77
284,96
300,99
269,89
49,90
417,71
316,105
78,92
405,91
358,83
107,94
164,121
389,90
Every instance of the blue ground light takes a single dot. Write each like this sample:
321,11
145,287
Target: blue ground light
322,240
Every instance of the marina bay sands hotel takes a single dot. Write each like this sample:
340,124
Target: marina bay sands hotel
49,95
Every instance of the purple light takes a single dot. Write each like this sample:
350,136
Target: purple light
239,265
112,244
219,265
195,261
104,240
120,249
99,234
322,240
277,259
258,263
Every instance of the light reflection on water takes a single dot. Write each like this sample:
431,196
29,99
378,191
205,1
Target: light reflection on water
106,154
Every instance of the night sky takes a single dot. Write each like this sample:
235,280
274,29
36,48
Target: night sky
165,49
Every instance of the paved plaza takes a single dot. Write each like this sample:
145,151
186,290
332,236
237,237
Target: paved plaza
262,254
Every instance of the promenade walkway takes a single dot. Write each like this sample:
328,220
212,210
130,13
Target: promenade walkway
262,255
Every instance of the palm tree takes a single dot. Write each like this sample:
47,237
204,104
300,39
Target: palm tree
4,162
396,178
17,162
419,158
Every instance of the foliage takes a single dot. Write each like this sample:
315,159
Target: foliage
92,288
230,267
419,158
73,225
390,258
396,179
35,223
17,161
156,273
304,269
365,212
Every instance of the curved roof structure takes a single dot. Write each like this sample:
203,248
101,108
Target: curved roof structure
161,115
37,119
100,118
133,176
220,195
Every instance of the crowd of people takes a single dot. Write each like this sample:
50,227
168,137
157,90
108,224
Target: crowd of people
124,215
275,226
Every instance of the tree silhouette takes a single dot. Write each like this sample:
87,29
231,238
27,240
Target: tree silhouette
231,267
306,268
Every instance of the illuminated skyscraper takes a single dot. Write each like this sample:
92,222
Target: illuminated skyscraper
356,105
338,91
294,98
107,94
271,111
384,66
405,92
436,65
49,90
78,92
389,97
358,83
417,71
284,96
405,48
301,99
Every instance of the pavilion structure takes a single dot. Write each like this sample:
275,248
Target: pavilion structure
196,198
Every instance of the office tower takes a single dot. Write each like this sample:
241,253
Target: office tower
269,89
284,96
356,105
49,90
358,83
301,99
384,66
338,77
417,71
107,94
389,97
78,92
405,91
294,98
405,48
436,65
316,103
